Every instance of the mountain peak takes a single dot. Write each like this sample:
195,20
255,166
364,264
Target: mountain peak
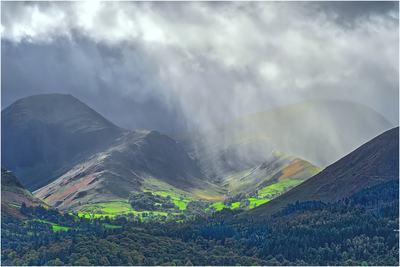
56,109
43,134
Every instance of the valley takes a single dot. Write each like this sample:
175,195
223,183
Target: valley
91,178
107,163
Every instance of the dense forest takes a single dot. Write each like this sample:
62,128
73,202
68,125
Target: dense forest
355,231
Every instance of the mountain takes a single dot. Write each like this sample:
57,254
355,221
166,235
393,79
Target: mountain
278,169
69,154
128,165
371,164
13,192
43,136
319,131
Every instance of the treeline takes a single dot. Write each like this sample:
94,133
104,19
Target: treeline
242,198
373,198
16,232
197,207
149,201
332,235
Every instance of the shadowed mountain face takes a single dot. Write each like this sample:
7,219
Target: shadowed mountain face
373,163
45,135
319,131
70,154
12,191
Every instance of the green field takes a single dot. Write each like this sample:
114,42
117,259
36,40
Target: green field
178,199
110,215
235,205
181,199
55,226
254,201
278,187
115,207
111,226
220,205
59,228
90,215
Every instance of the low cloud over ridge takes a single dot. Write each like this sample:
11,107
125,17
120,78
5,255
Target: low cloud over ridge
175,66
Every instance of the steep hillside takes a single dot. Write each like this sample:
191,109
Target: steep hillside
126,166
319,131
373,163
45,135
12,191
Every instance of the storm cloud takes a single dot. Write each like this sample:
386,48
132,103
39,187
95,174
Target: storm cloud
176,66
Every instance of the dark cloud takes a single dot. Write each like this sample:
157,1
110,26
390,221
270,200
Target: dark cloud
173,66
93,73
348,13
350,10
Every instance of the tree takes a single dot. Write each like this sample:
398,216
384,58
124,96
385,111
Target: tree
58,262
177,262
104,261
23,208
83,261
389,261
350,262
73,258
273,262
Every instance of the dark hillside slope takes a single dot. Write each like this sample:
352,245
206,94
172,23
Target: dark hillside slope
44,135
373,163
135,158
12,191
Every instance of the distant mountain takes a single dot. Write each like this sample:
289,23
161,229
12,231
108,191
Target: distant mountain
371,164
43,136
279,168
319,131
12,191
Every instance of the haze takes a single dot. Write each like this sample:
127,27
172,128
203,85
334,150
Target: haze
178,66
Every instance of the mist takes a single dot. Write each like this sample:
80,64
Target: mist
185,66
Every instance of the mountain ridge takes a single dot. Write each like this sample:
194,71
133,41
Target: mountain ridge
372,163
116,172
302,129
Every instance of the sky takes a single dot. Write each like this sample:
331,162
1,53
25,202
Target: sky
178,66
